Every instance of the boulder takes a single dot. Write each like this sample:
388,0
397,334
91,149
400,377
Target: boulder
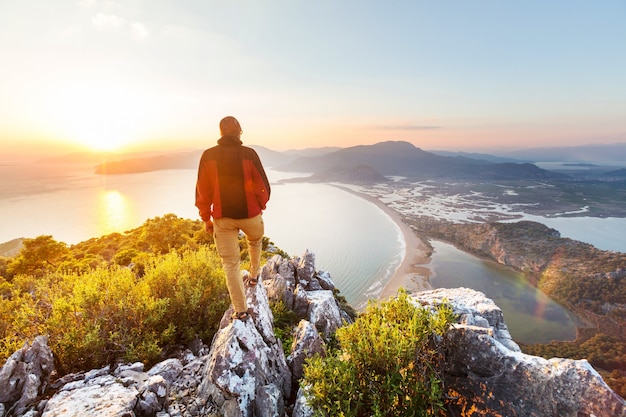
126,391
246,368
324,311
25,376
325,280
301,408
305,268
307,343
491,376
279,279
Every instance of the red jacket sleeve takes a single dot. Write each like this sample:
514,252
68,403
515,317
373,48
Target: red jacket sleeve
257,186
207,189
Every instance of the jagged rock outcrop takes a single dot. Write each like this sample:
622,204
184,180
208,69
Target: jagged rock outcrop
307,342
246,373
492,377
126,391
25,376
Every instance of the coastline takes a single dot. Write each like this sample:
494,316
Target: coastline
413,272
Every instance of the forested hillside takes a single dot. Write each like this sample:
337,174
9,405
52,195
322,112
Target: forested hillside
125,296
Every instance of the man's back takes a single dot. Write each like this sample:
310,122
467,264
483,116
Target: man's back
231,178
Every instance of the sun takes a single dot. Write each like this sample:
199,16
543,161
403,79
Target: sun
100,117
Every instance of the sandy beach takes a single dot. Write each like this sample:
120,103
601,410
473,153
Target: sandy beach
413,272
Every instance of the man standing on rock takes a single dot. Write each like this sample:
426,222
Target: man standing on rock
231,193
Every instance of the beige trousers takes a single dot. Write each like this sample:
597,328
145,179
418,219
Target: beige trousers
226,235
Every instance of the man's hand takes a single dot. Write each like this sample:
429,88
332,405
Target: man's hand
208,226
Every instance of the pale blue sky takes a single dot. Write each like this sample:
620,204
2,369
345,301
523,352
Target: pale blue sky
442,75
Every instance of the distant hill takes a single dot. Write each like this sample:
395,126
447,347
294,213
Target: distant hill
180,160
618,175
400,158
480,156
361,174
11,248
271,158
295,153
387,158
131,164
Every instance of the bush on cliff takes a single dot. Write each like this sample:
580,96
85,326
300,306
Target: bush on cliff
111,314
387,364
117,297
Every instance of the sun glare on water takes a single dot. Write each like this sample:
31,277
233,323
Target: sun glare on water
100,117
114,212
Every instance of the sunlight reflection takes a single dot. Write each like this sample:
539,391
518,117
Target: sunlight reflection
114,212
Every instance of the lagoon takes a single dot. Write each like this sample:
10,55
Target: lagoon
531,316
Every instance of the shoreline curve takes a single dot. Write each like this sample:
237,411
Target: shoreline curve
413,273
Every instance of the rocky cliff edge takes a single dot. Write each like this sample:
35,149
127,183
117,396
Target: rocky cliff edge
245,371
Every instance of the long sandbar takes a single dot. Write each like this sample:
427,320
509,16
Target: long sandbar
413,272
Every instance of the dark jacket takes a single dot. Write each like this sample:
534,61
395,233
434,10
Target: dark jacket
231,181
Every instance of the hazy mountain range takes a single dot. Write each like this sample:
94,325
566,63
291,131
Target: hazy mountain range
405,159
391,158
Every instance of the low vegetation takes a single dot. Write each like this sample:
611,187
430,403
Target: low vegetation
121,297
386,364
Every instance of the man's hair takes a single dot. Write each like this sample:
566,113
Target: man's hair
230,126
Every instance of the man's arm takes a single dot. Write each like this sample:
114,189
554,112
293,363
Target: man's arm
204,190
262,184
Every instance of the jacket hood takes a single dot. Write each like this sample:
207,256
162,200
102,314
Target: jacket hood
229,140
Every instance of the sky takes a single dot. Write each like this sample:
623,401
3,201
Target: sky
137,75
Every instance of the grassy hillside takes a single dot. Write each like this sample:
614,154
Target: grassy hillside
129,297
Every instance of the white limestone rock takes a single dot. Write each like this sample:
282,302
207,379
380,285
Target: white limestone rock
25,375
307,343
245,361
324,311
493,377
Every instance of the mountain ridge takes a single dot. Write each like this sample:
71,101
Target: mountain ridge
401,158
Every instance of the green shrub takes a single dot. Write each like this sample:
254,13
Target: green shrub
110,313
38,256
194,286
97,310
388,364
102,315
16,316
